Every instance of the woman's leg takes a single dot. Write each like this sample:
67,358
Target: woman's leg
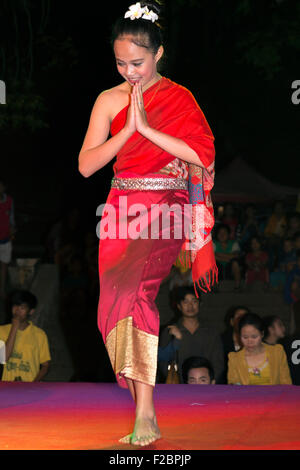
126,439
145,429
131,388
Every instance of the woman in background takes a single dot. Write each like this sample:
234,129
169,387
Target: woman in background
257,363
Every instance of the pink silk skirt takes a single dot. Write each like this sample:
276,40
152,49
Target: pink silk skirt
130,272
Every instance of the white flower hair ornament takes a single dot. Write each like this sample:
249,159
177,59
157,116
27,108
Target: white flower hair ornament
136,11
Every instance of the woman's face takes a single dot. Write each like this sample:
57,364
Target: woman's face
135,63
251,337
278,328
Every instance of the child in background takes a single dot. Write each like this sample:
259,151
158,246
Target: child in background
27,354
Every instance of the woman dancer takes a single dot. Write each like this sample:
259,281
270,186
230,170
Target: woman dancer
162,141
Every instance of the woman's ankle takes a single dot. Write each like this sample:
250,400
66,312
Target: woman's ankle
145,412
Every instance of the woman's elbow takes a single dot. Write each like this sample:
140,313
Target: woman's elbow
83,170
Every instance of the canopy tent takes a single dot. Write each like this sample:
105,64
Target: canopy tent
239,182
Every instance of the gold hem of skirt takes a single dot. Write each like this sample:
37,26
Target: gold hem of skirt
132,352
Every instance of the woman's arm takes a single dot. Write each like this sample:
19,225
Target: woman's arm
96,150
172,145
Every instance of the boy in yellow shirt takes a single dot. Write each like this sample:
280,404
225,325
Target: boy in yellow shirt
27,354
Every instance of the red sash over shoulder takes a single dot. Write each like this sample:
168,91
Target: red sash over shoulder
172,109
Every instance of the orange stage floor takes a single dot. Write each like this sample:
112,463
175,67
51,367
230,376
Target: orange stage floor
92,416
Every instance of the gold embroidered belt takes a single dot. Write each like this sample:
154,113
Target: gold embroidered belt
149,183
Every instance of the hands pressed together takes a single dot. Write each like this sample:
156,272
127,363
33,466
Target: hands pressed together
136,115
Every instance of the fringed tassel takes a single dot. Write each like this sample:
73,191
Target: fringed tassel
206,282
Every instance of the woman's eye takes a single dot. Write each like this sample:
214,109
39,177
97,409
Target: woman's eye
135,65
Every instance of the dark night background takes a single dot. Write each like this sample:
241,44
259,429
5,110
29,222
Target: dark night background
239,59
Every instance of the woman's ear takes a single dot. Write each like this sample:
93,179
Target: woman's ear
159,53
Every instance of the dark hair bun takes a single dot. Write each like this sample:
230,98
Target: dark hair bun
155,6
147,33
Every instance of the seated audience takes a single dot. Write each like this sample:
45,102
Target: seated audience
292,283
196,340
274,232
276,223
287,257
26,346
230,219
256,263
274,329
198,371
293,225
257,363
287,260
250,226
296,241
227,256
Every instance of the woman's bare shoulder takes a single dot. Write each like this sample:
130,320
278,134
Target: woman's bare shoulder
114,99
115,92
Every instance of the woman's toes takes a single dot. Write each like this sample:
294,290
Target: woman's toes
126,439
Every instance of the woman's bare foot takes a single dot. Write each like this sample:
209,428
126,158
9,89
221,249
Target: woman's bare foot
145,431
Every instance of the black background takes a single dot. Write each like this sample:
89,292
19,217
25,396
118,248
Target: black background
239,59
